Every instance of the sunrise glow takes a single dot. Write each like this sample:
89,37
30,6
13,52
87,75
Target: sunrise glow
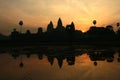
38,13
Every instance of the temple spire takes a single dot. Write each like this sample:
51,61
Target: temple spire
59,24
60,27
50,27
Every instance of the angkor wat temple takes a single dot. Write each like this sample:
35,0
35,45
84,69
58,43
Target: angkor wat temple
68,34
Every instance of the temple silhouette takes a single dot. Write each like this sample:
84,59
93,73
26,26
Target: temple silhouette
65,35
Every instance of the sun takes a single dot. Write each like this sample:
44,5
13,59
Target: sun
83,31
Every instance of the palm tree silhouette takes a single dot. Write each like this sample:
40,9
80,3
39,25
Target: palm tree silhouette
94,22
118,24
20,23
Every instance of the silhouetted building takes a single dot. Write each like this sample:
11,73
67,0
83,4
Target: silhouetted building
60,27
14,34
28,32
95,35
70,28
50,27
109,27
40,30
100,33
3,37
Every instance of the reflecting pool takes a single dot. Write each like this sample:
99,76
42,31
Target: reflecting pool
59,63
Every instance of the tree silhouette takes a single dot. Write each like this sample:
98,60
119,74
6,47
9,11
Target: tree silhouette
20,23
94,22
118,24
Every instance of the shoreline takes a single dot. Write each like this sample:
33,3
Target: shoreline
40,43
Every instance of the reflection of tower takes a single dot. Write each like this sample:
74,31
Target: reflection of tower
71,60
95,63
51,59
15,54
110,56
60,26
40,56
60,61
28,55
50,27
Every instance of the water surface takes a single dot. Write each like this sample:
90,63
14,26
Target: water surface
59,63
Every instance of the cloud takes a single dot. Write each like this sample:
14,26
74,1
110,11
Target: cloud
82,12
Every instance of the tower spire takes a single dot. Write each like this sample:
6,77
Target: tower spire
59,22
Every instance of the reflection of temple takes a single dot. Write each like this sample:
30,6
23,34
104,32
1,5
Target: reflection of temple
40,56
51,59
67,54
71,60
60,61
119,56
107,55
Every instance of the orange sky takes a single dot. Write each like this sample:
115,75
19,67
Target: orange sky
38,13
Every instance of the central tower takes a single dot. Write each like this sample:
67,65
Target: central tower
59,25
